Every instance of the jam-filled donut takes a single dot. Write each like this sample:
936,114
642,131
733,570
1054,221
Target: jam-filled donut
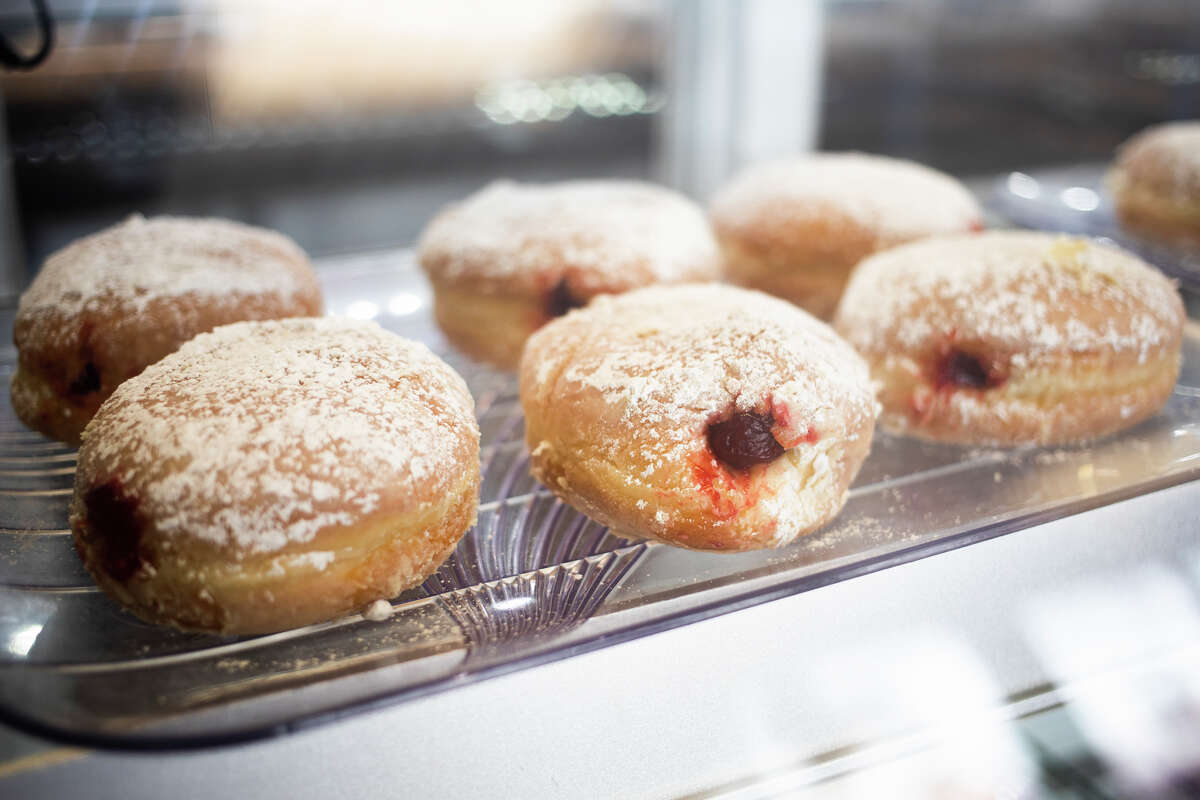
795,228
1155,182
1014,338
709,417
107,306
513,256
274,474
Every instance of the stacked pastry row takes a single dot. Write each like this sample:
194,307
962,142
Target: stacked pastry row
280,470
720,418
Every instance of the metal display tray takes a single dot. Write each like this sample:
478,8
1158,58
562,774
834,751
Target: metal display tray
532,581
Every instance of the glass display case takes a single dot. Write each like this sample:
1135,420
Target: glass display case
349,130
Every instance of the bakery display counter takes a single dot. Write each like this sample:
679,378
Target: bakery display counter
533,582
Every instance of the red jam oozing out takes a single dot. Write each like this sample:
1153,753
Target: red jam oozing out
957,369
87,381
954,369
744,440
735,445
560,299
728,492
781,413
921,404
116,528
784,432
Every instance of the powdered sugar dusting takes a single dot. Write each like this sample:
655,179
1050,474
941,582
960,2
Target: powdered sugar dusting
260,434
1165,157
899,200
141,260
613,235
1022,293
378,611
668,361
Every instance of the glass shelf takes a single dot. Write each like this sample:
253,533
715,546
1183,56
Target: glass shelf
533,581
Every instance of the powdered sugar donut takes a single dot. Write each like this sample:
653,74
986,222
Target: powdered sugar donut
1014,338
1156,182
105,307
513,256
795,228
709,417
274,474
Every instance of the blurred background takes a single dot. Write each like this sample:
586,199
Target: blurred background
347,125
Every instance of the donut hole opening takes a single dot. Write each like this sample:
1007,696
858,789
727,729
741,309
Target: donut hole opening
561,299
958,369
116,529
87,381
744,440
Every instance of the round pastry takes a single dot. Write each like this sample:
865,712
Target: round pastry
796,228
512,257
1014,338
107,306
708,417
1156,182
273,474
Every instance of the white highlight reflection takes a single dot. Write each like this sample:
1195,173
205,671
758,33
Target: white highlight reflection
1023,185
20,642
1125,648
512,604
362,309
1080,198
404,303
930,694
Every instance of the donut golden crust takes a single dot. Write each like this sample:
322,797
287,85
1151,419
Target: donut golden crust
1155,182
273,474
796,228
708,417
513,256
1014,338
105,307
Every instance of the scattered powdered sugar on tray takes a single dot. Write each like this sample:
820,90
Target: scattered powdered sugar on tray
259,435
142,260
1023,293
901,200
378,611
617,233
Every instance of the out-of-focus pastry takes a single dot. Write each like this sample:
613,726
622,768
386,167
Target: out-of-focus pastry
512,256
1155,182
795,228
105,307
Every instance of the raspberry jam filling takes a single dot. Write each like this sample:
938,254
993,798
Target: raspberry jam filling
560,299
116,529
87,381
957,369
745,439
